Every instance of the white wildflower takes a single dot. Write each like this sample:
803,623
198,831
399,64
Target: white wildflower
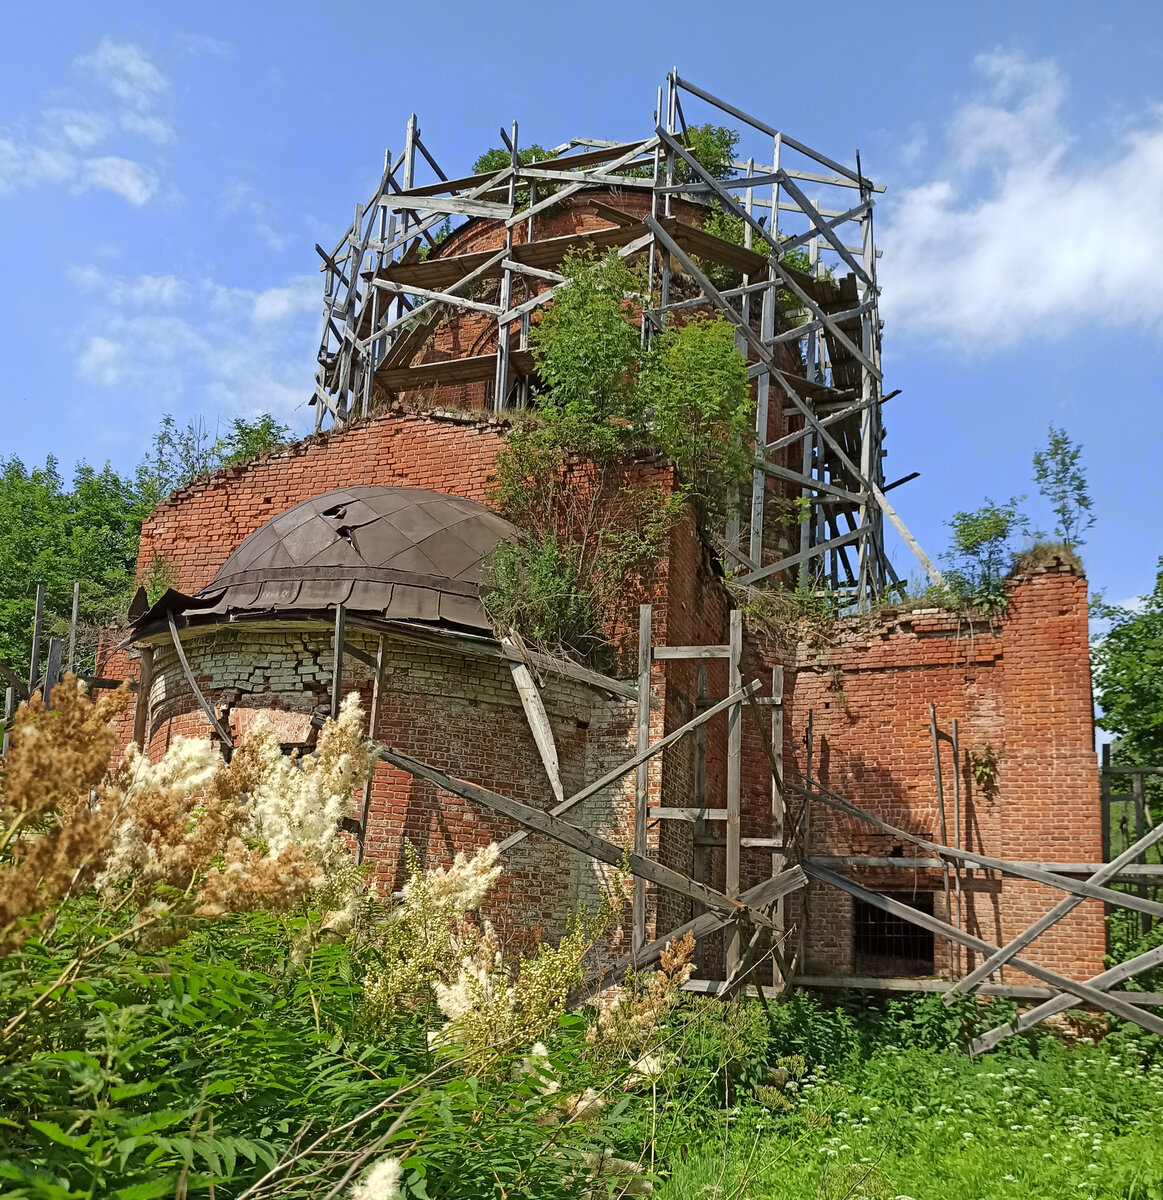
646,1070
343,921
461,887
584,1107
302,802
536,1063
382,1182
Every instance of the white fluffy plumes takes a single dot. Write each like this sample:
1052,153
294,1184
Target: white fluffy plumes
186,768
301,802
1010,239
382,1182
460,888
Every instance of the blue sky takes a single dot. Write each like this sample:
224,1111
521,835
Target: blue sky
165,172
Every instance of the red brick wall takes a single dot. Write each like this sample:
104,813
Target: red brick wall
199,526
1021,688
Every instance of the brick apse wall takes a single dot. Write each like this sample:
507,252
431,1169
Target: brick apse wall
1021,688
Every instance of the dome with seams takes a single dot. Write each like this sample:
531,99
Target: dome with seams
400,553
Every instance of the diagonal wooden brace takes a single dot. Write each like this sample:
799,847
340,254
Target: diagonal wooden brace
582,839
1084,991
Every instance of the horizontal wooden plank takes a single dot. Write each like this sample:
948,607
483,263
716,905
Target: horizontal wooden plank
686,814
452,371
669,652
454,205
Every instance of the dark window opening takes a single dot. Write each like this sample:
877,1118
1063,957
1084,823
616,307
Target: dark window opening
885,945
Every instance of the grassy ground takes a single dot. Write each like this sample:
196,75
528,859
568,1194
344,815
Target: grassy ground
933,1125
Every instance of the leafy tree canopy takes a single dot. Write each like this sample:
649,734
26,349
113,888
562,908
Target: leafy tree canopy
1128,676
55,533
1061,479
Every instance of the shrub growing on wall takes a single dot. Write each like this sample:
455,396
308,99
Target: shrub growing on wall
587,538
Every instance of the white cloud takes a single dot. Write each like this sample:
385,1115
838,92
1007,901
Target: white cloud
241,197
130,180
170,344
154,128
198,45
278,303
141,291
1014,238
62,154
23,165
77,127
126,71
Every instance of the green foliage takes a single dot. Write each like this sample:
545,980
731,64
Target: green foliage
919,1122
245,440
533,586
56,534
694,384
713,147
588,537
1061,478
983,765
179,455
733,229
981,553
587,352
1128,675
498,158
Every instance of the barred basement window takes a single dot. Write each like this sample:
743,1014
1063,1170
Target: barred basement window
884,945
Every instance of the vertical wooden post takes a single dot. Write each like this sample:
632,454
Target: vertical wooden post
9,708
52,668
1105,801
141,707
941,818
501,385
1104,809
763,389
337,661
37,623
734,779
1141,832
641,777
955,741
806,834
699,854
699,851
373,732
71,665
779,854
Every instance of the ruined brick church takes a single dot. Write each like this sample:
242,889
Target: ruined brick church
957,729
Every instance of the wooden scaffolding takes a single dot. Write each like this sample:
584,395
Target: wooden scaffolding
386,287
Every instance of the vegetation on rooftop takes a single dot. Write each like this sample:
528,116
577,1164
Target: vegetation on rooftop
588,536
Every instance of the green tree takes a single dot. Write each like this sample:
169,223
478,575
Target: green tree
1128,676
587,352
981,552
245,439
713,147
1060,477
694,388
179,454
55,535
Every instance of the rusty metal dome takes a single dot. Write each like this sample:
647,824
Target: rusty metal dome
398,553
